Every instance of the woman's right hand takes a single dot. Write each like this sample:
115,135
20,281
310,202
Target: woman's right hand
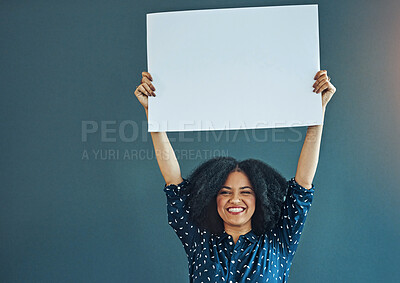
145,89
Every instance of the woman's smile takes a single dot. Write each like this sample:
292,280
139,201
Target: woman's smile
236,201
235,210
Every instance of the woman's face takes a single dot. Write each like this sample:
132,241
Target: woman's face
236,201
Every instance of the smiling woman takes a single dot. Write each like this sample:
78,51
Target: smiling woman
253,184
238,221
236,203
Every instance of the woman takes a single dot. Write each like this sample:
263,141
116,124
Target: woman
238,221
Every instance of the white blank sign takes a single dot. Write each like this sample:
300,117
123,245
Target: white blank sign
241,68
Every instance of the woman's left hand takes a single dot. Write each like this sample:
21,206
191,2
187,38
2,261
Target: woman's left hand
323,84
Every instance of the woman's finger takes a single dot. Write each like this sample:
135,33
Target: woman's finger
142,90
147,87
137,91
147,74
323,87
320,79
319,73
147,81
320,83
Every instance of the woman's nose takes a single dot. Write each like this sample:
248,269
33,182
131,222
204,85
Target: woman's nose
235,198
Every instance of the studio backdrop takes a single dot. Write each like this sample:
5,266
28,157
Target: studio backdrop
81,195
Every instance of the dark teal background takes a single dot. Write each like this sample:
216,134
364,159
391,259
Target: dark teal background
64,219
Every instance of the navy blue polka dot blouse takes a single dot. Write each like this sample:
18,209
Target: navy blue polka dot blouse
263,258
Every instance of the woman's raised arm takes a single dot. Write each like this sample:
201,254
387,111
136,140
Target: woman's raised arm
166,158
309,155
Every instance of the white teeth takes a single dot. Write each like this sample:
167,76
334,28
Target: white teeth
238,209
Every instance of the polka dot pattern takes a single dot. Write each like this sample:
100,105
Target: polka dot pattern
254,258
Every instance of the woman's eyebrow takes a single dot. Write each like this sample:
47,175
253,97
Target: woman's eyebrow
245,187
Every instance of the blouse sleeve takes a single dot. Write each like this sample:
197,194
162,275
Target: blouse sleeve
178,214
295,209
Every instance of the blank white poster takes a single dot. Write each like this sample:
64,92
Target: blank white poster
239,68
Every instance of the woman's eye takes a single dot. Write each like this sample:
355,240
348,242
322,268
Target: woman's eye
246,192
224,193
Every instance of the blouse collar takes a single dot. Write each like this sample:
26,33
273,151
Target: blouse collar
251,236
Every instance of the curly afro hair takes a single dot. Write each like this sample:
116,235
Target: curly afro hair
205,181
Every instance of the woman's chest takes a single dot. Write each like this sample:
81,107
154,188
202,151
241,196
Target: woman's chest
245,261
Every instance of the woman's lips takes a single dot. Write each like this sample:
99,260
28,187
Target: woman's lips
235,210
